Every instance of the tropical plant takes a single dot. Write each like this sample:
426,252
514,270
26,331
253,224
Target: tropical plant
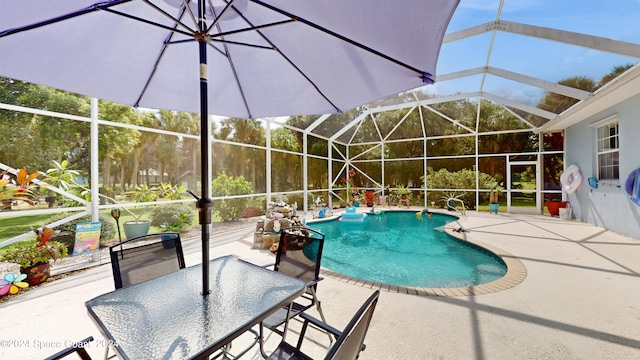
402,190
451,195
30,253
179,223
170,192
21,188
144,193
496,189
62,176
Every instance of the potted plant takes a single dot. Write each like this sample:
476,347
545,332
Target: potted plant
404,194
369,197
554,206
35,258
496,189
355,197
138,227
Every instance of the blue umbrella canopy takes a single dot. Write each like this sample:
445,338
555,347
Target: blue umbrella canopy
240,58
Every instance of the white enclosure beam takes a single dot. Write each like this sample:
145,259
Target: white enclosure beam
539,83
567,37
518,105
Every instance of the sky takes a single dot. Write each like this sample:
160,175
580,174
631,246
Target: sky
548,60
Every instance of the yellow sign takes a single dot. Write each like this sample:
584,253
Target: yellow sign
87,237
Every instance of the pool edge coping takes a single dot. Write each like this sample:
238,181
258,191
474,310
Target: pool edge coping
516,271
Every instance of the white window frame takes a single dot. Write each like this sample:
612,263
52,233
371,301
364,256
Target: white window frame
608,143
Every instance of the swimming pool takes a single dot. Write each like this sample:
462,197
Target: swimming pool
400,248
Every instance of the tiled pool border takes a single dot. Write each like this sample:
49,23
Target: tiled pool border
516,273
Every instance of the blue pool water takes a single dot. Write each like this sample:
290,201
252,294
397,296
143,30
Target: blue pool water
400,248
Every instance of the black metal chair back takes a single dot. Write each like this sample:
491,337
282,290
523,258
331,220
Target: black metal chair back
146,257
350,343
300,253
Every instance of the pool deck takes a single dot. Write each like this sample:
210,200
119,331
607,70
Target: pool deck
576,296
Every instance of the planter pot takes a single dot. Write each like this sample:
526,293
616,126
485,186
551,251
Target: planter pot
37,273
51,200
166,243
555,206
134,229
356,204
493,208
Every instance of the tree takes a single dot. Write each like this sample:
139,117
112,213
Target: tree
614,73
245,131
35,140
557,103
116,143
285,168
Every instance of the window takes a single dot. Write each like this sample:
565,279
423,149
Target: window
608,151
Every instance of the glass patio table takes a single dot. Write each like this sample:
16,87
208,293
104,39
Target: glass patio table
168,318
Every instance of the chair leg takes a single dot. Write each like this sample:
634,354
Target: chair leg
225,351
284,332
316,302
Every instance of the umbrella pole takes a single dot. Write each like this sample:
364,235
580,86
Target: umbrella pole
205,203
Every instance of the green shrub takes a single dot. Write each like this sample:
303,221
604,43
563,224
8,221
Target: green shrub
461,179
224,185
107,232
169,213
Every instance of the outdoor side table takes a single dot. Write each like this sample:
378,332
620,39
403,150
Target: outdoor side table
168,318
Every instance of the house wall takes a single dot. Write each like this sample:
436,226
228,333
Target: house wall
607,206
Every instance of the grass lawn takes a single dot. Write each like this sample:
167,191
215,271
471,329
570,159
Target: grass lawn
17,225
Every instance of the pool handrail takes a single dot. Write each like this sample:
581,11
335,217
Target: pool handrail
453,207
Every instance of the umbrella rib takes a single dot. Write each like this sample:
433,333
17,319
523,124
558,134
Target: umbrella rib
243,44
95,7
173,30
265,38
155,67
192,31
252,28
235,76
426,77
217,18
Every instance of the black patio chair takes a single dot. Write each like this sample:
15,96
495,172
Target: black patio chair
78,348
299,254
150,256
146,257
350,341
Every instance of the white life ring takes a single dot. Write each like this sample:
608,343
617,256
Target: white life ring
571,179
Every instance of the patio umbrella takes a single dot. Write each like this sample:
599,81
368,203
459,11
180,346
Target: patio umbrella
240,58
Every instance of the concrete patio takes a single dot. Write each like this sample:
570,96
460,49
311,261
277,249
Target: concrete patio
580,299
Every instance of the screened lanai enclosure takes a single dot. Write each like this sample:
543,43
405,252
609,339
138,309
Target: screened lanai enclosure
511,77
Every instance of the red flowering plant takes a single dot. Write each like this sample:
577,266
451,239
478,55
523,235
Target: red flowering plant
30,253
20,188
